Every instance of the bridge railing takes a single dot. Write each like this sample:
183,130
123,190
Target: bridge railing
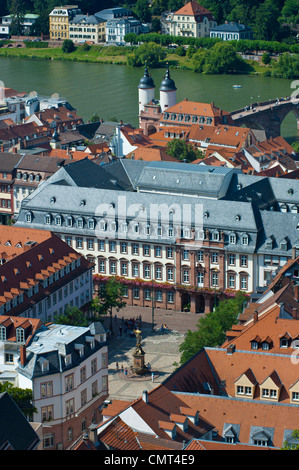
260,103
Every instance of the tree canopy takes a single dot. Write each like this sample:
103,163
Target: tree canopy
183,151
212,327
72,316
150,53
22,397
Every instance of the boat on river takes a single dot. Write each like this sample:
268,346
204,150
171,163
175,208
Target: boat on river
237,86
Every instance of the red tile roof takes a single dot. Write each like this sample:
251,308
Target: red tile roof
194,9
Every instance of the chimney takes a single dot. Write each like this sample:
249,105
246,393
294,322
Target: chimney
145,396
255,317
23,355
230,349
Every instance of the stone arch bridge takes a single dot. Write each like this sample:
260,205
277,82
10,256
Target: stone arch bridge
267,115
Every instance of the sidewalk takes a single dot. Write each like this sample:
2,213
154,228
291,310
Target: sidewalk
161,350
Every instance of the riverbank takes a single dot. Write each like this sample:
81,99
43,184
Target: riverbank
118,56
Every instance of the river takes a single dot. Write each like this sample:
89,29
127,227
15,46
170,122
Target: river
111,90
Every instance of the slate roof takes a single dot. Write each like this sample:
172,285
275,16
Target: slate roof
52,341
87,19
231,27
15,430
185,178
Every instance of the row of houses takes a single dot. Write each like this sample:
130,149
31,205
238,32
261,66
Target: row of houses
112,24
109,25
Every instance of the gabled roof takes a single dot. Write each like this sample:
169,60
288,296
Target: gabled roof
193,9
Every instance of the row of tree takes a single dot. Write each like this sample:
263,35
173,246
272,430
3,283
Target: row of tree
243,45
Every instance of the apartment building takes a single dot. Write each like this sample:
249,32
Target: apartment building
66,369
179,234
59,19
45,278
87,28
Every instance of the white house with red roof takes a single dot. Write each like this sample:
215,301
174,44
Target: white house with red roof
192,20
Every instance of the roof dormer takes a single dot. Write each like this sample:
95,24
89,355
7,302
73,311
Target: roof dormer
245,385
169,428
180,420
270,388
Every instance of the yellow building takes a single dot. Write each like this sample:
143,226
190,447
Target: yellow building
59,19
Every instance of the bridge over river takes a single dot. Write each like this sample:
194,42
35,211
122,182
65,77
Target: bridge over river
267,115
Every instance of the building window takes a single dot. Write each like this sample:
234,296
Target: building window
20,335
102,266
200,256
112,267
243,261
48,440
244,283
186,276
123,247
170,297
231,259
244,240
146,271
136,293
159,296
90,244
214,258
169,274
158,251
135,249
231,281
185,255
214,279
158,272
112,246
147,294
232,239
124,269
47,219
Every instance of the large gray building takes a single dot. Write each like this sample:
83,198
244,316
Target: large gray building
192,233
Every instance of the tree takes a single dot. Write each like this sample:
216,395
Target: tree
150,53
287,66
220,58
72,316
68,46
95,118
183,151
212,327
22,397
142,11
266,21
110,297
17,9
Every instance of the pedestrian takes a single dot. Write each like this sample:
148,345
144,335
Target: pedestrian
126,371
122,368
153,376
117,367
